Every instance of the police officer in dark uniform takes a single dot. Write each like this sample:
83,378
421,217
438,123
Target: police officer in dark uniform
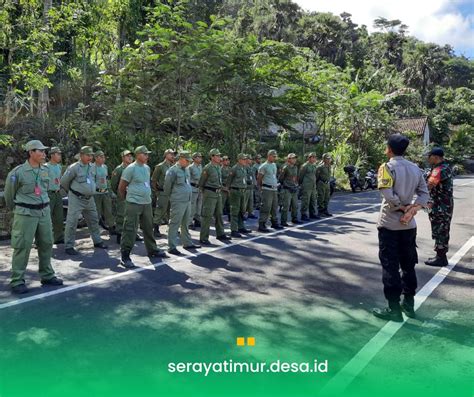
441,204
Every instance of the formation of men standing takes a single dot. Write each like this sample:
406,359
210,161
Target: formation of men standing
187,195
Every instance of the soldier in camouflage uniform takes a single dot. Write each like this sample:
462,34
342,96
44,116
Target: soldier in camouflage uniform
309,194
225,170
256,191
102,197
441,204
195,171
289,182
249,194
55,198
323,175
162,209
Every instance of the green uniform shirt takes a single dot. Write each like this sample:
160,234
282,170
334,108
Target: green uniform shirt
158,177
237,177
54,172
289,175
101,174
323,172
211,176
225,172
177,184
80,177
195,172
307,176
138,177
250,177
269,172
115,179
27,185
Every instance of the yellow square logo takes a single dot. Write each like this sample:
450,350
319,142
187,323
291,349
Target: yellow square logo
240,341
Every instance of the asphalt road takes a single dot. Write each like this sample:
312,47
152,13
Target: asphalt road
304,293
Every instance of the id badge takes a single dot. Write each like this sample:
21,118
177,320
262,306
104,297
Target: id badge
88,181
37,191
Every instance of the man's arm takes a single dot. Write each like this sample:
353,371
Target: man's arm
67,178
122,188
170,178
203,179
11,187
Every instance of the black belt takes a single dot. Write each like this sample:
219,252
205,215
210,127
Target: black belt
249,183
33,206
160,189
54,191
194,184
238,188
80,195
213,189
269,186
102,190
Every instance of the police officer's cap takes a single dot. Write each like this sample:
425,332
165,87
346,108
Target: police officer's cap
185,155
436,151
99,153
86,150
196,154
292,156
55,149
142,150
398,143
169,151
35,145
272,153
214,152
225,158
242,156
125,153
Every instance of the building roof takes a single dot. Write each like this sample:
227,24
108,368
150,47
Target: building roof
416,124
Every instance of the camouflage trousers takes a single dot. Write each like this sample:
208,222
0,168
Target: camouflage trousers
440,225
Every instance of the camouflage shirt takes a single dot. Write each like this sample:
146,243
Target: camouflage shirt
440,184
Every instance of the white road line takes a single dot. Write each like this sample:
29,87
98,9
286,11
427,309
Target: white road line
100,280
467,183
337,385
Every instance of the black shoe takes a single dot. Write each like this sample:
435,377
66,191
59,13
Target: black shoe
284,224
437,261
191,227
52,281
388,314
252,216
205,242
235,234
102,224
296,222
156,231
71,251
175,251
304,218
224,237
126,262
112,231
263,229
118,238
157,254
60,241
192,247
314,217
101,245
326,213
276,226
408,308
138,238
197,223
245,231
19,289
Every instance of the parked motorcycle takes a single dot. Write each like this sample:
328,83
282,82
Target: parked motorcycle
370,180
354,178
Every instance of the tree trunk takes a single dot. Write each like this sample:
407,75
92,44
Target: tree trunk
43,95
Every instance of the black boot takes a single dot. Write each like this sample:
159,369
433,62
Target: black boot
197,223
438,261
408,306
126,262
156,231
119,238
391,313
262,228
304,218
276,226
326,212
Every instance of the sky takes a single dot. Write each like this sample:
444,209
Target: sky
436,21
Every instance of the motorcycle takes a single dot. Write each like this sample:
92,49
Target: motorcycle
354,177
370,180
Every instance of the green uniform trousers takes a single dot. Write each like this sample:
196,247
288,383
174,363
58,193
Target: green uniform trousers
269,207
25,230
226,202
138,214
323,195
289,202
196,206
119,214
211,208
76,207
103,203
162,209
257,198
57,215
249,203
180,213
237,208
309,200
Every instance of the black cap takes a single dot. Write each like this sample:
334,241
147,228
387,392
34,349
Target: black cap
398,143
436,151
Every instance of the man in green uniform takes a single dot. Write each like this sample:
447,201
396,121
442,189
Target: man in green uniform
289,183
256,191
178,188
103,200
157,182
127,159
26,194
323,176
237,186
249,195
55,199
268,184
309,196
211,186
135,189
195,171
79,182
225,169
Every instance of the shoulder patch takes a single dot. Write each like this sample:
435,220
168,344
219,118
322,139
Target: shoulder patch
385,179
